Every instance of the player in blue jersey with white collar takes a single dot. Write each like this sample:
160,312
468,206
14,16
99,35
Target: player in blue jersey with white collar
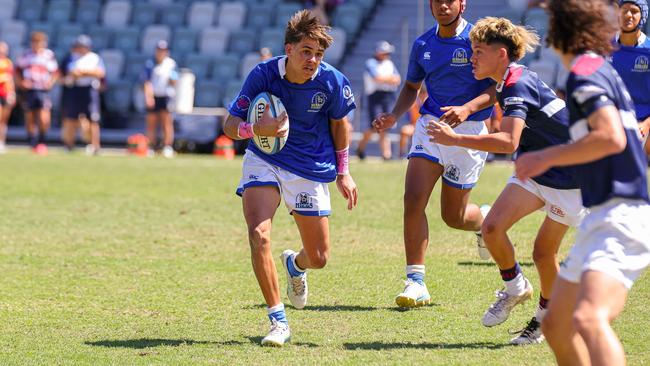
441,59
632,59
613,243
317,98
533,118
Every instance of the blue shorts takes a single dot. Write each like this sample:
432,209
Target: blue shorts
37,99
160,104
82,101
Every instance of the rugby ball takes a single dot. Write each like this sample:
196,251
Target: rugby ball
267,144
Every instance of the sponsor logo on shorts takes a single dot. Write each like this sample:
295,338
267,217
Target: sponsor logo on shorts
303,200
557,211
452,172
253,177
419,147
317,102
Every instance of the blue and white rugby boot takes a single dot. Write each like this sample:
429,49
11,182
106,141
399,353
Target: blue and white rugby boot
297,289
414,295
278,335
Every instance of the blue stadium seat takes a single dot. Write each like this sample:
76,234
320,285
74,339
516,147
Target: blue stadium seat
273,38
242,41
261,16
45,27
59,11
224,68
118,96
7,9
348,17
144,14
30,10
213,41
116,13
87,12
207,94
184,41
201,14
14,32
538,19
114,62
173,15
101,36
232,90
152,35
126,39
366,5
134,66
67,34
232,15
285,12
199,64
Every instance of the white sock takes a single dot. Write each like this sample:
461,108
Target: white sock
415,268
516,286
540,313
275,308
295,265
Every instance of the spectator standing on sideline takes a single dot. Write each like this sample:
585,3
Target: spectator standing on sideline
7,92
265,53
381,80
83,72
37,71
159,77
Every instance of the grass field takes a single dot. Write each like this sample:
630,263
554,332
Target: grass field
130,261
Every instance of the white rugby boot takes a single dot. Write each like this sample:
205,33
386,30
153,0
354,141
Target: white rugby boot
500,310
414,295
278,335
483,251
297,290
531,334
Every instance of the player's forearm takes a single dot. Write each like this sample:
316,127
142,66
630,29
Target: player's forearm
231,127
487,99
500,142
596,145
405,100
340,134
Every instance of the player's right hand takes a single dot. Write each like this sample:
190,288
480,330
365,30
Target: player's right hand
384,121
269,126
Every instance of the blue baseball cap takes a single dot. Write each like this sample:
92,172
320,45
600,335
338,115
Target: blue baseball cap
83,41
643,5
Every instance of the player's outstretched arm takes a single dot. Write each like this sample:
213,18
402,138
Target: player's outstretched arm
344,182
406,98
605,136
238,129
455,115
505,141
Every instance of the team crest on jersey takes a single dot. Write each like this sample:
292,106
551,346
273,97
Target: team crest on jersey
452,173
460,57
303,200
427,55
243,102
641,64
317,102
347,94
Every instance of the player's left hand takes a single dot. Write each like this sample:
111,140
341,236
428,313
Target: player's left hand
454,115
441,133
531,165
348,189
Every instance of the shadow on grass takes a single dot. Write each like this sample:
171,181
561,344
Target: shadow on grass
491,264
380,346
258,341
322,307
403,310
154,342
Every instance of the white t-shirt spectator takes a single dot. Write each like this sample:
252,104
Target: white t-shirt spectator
160,76
376,68
88,62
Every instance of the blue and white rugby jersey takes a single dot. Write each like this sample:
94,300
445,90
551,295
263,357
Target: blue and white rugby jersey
444,65
593,84
523,95
633,65
309,151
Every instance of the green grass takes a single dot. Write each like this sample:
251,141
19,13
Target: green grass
123,260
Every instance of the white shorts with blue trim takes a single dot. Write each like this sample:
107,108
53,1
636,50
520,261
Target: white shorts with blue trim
462,166
613,239
561,205
300,195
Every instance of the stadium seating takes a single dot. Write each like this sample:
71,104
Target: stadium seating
67,34
348,17
144,14
538,19
7,9
284,13
14,32
184,41
59,11
152,35
127,39
242,41
207,94
273,38
213,41
249,61
114,61
173,15
100,35
30,10
201,14
335,52
116,13
261,16
232,15
199,64
134,66
225,68
232,90
87,12
118,96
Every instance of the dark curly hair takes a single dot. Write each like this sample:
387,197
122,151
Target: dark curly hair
578,26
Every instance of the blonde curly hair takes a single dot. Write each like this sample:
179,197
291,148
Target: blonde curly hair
517,39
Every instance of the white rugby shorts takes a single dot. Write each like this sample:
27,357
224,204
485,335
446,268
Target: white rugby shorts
300,195
614,238
462,166
561,205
